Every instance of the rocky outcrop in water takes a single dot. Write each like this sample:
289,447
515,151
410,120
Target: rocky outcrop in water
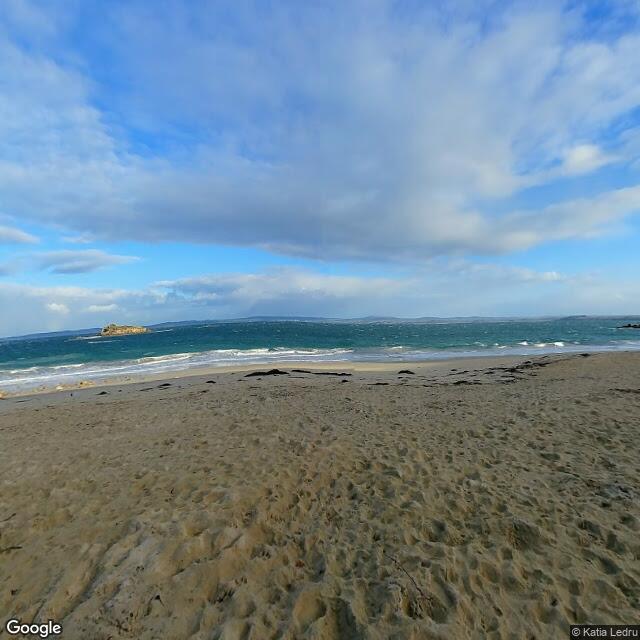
122,330
630,326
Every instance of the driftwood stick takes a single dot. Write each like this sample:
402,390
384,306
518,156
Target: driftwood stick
12,548
415,584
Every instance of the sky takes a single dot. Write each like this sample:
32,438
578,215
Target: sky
181,160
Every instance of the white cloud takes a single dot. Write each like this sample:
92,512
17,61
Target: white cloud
43,308
83,238
584,158
580,218
458,288
101,308
71,262
374,136
58,307
65,262
11,235
280,291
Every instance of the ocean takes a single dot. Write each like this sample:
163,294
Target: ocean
57,359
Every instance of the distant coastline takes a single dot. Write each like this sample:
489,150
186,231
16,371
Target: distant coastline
329,320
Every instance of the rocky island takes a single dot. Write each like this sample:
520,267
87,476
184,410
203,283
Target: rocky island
630,326
122,330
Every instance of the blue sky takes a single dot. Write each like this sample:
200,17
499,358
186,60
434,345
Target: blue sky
182,160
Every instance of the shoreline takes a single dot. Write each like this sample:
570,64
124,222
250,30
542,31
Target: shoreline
72,360
434,366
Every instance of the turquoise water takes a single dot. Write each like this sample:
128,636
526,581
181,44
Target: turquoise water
65,358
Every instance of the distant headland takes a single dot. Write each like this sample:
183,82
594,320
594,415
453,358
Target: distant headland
122,330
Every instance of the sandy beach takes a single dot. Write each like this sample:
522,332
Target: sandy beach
468,499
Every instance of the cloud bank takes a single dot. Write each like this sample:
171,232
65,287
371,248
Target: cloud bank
64,262
70,262
331,131
456,289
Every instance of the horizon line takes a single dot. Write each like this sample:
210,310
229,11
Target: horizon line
370,318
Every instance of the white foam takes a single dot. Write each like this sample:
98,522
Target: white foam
153,365
166,358
51,376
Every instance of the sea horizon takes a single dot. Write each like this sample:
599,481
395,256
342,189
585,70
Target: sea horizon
328,319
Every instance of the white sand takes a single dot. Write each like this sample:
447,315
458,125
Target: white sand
302,506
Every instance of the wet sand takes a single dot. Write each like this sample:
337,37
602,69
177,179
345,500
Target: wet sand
473,499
